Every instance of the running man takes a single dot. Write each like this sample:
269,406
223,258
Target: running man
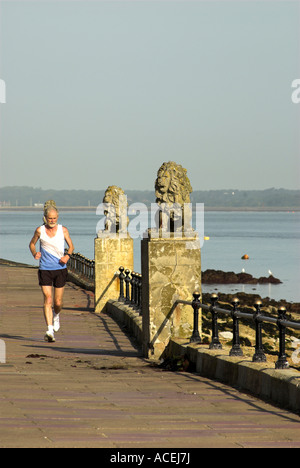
53,265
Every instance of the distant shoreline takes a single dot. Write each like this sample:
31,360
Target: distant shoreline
206,208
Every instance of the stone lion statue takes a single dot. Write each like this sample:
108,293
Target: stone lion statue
172,190
115,210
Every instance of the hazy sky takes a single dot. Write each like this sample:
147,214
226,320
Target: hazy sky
103,92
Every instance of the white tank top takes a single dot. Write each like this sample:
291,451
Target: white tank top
52,249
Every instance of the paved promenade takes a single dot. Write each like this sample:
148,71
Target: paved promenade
92,388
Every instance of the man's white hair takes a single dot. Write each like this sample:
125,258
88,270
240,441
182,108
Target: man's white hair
49,205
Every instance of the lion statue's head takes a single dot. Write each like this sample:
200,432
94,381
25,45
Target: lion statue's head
172,184
172,190
115,209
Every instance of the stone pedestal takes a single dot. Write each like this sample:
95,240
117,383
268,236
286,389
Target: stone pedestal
171,270
111,252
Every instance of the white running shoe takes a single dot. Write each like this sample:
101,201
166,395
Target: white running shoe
49,337
56,322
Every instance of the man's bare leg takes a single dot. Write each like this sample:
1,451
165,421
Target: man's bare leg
58,304
48,314
58,299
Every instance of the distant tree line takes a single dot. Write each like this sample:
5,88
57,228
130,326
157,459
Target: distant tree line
29,196
248,198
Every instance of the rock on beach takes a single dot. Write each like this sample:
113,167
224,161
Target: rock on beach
222,277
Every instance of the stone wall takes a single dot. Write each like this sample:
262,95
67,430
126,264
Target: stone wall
127,317
111,252
171,271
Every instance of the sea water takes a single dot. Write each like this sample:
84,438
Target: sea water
270,239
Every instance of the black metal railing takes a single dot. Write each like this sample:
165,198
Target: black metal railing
131,294
131,289
257,317
82,266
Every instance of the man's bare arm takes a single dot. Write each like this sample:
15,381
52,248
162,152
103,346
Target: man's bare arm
36,236
68,240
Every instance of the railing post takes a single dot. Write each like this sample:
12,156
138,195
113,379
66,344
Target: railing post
121,277
136,299
136,290
195,338
139,293
236,346
133,288
215,342
282,360
259,355
71,261
93,269
127,286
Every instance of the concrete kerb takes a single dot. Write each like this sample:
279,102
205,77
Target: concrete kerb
125,315
73,277
281,387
